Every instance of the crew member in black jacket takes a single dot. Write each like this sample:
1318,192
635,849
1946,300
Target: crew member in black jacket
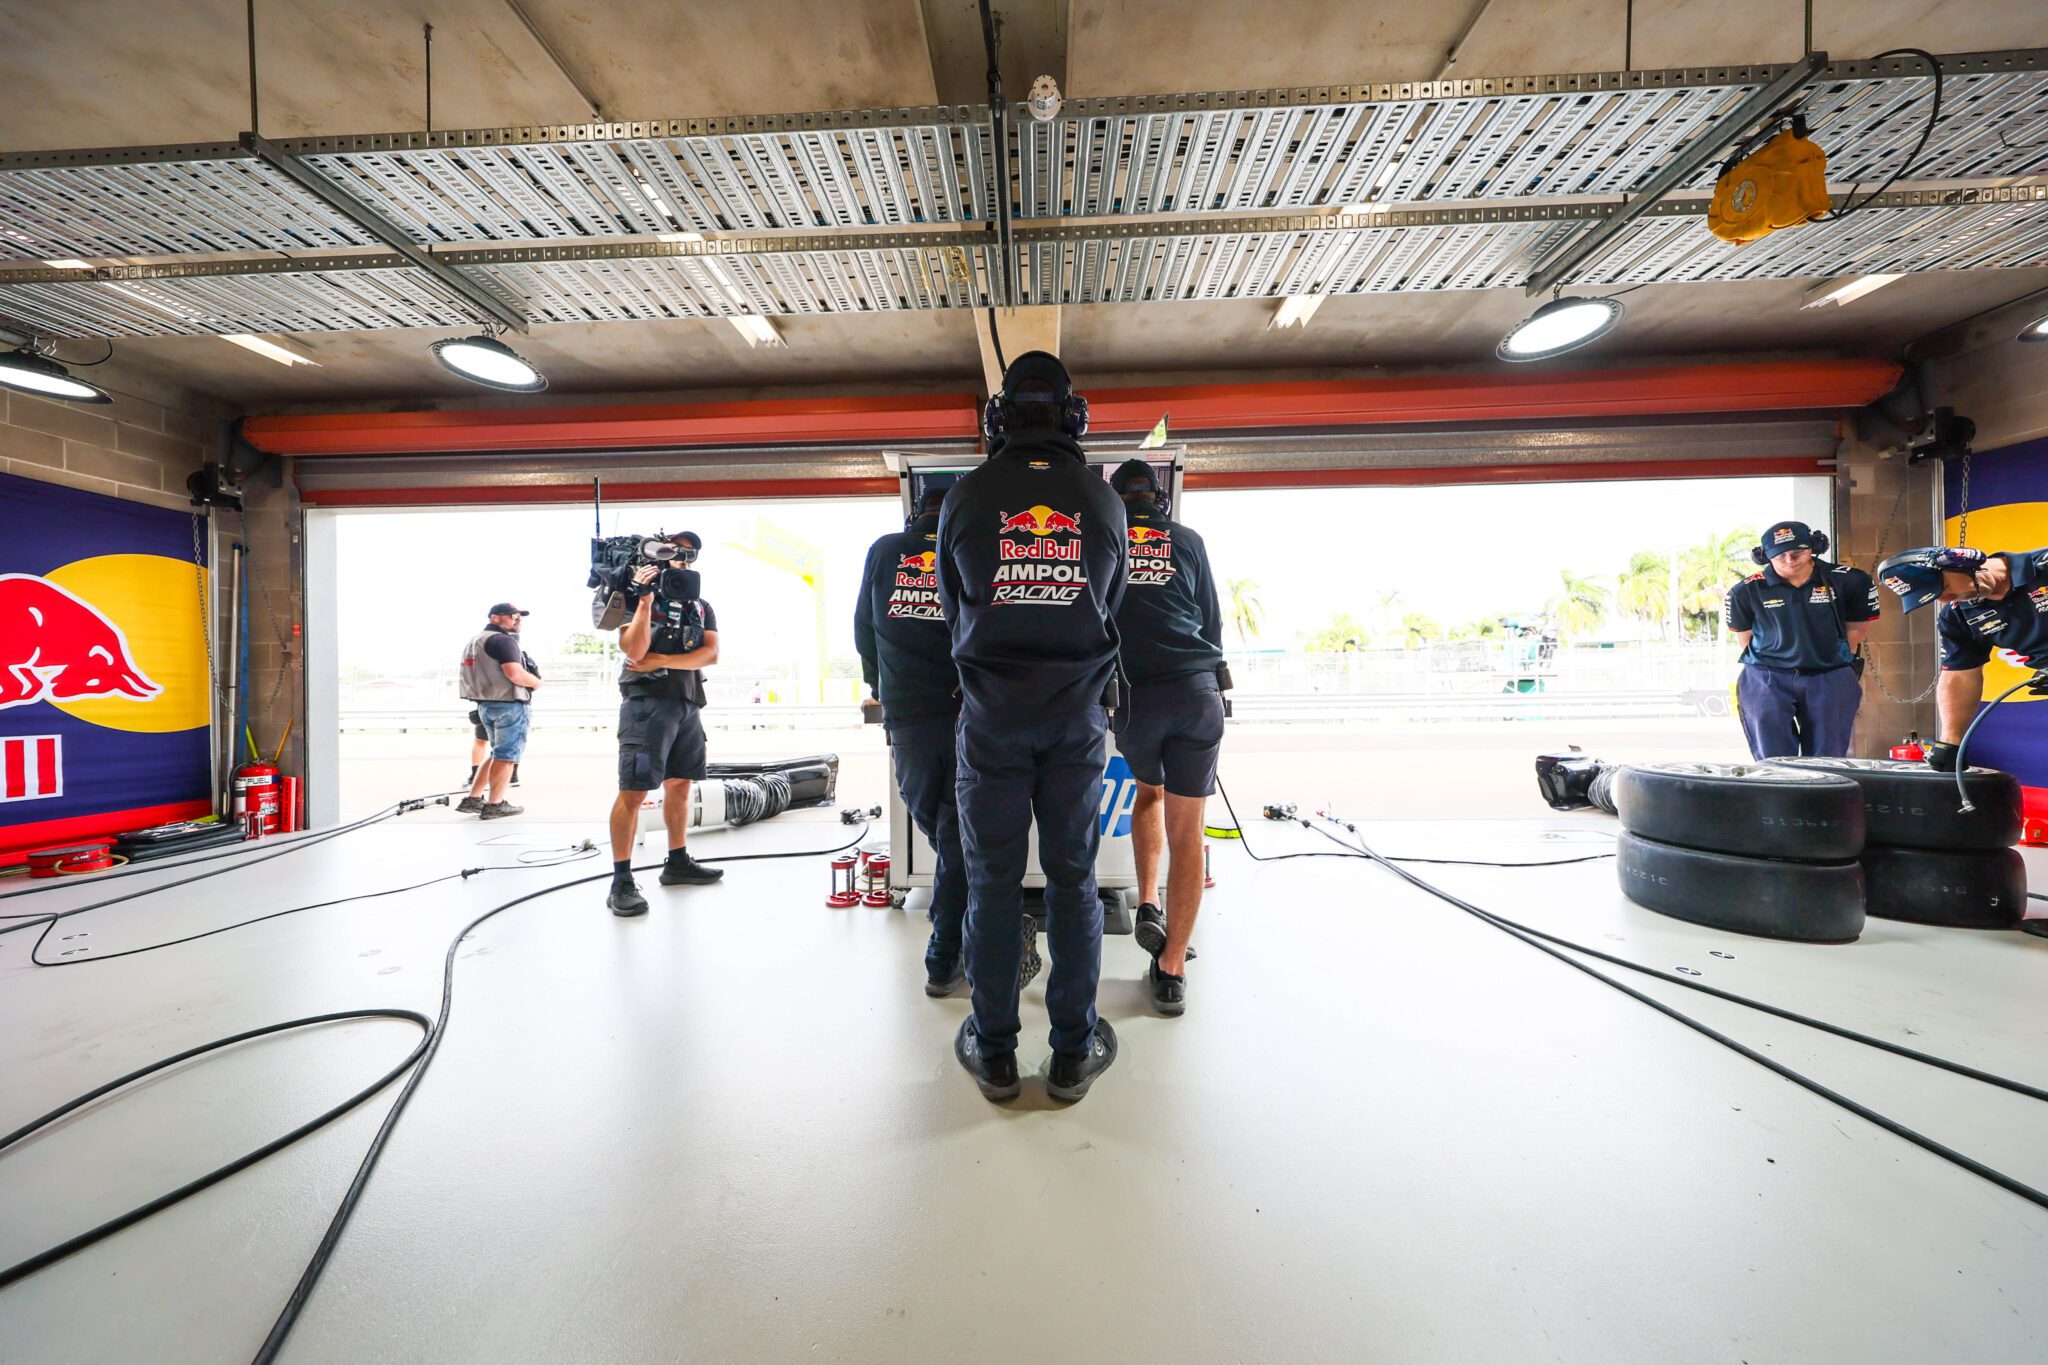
1031,563
906,656
1172,631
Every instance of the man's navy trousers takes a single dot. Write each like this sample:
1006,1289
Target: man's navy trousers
923,754
1789,714
1011,772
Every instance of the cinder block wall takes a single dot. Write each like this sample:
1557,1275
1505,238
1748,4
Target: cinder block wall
141,448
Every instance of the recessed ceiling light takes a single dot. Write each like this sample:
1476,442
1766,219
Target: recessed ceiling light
270,350
1559,326
758,331
31,373
1845,290
490,362
69,263
2037,330
1295,311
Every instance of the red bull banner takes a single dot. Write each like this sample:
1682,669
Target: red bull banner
2008,511
103,680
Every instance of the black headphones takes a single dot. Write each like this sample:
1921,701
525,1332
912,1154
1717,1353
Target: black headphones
995,419
1820,547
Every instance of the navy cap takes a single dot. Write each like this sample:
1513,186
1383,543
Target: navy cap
696,541
1787,535
1915,575
1129,472
507,609
1037,376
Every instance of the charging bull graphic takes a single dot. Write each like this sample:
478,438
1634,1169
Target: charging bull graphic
58,647
1040,521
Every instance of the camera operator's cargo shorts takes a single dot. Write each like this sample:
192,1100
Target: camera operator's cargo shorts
661,739
1174,734
506,723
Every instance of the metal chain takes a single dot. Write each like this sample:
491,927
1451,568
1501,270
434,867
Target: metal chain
213,690
1963,530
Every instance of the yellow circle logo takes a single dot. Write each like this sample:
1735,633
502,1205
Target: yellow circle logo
142,661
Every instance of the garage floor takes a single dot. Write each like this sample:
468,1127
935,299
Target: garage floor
733,1131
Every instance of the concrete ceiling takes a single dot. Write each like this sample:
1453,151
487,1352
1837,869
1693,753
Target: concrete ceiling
115,72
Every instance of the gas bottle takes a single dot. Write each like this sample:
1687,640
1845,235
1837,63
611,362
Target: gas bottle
257,794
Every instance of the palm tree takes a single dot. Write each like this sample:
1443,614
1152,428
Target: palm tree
1706,571
1341,636
1645,591
1418,630
1247,611
1582,605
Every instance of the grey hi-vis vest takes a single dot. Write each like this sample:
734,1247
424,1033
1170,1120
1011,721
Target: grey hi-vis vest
483,678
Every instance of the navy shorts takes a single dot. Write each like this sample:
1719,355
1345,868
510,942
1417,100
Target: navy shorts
1174,734
661,739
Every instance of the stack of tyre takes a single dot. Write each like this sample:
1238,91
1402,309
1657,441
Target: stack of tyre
1925,858
1756,848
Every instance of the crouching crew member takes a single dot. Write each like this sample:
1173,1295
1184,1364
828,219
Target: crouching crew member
1989,602
906,656
1031,569
1171,627
672,635
1801,624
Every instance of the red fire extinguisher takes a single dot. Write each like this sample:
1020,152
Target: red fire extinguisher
258,797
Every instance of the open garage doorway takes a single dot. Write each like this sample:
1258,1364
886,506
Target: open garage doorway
1399,652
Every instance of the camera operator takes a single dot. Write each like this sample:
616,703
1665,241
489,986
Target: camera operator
673,633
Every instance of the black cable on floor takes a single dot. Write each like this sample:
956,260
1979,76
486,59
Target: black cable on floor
1238,834
21,1269
418,1059
172,863
1864,1112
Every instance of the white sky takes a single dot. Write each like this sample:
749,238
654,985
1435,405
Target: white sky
415,585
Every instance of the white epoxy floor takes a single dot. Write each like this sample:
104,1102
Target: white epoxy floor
733,1130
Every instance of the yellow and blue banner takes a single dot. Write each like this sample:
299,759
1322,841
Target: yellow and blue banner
2008,511
103,672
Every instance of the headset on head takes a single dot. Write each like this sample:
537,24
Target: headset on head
995,420
1758,555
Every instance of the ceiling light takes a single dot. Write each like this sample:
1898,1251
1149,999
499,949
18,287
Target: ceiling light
69,263
1559,326
1295,311
1845,290
680,237
31,373
2037,330
488,361
1045,99
758,331
269,350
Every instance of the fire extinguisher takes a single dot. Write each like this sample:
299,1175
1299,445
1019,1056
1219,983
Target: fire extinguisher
258,797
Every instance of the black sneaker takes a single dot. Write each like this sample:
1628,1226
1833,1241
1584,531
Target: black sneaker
997,1076
1069,1074
498,810
1150,929
471,805
1169,992
1030,964
626,899
944,981
687,871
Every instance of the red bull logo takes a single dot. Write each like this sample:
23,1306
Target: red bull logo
1039,521
55,646
1146,535
927,562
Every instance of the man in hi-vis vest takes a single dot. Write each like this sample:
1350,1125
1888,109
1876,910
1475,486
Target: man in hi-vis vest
495,676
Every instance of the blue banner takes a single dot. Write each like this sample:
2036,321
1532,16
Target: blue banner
103,671
2008,511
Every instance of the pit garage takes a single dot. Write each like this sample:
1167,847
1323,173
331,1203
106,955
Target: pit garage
318,324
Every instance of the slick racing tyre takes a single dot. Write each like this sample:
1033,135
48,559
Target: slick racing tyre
1961,890
1805,902
1758,810
1910,805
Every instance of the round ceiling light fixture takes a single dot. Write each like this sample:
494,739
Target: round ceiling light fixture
45,378
1561,325
2037,330
486,360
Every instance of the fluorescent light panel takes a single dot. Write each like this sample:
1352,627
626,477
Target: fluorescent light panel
1295,311
1845,290
758,331
269,350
